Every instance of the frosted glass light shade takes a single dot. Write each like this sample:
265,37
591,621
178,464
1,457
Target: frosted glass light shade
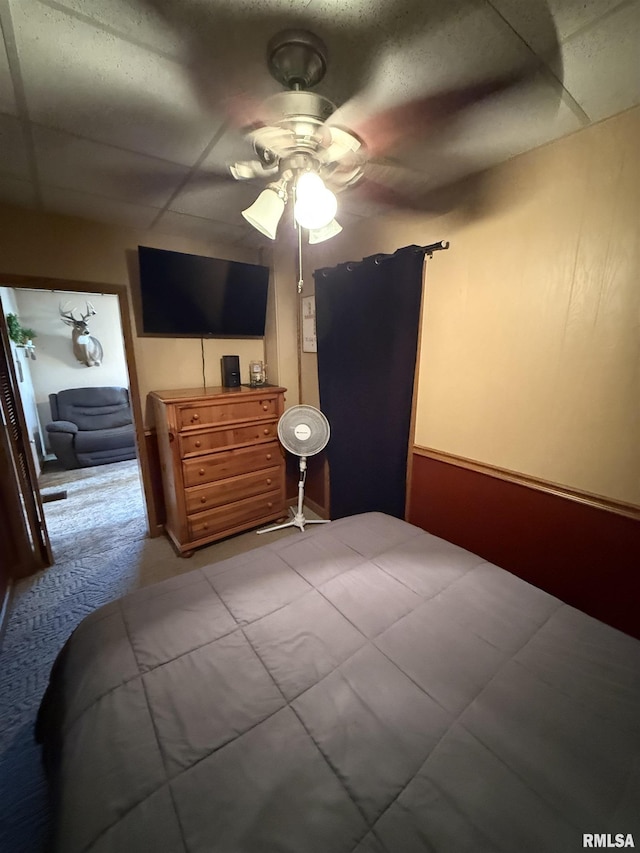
265,212
319,235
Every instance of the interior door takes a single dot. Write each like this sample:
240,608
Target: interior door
26,541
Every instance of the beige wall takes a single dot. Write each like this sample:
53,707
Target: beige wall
282,343
39,244
56,366
530,352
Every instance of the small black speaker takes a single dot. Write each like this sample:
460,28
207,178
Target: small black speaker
230,371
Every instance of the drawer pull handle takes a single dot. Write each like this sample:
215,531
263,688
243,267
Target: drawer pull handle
203,500
268,456
270,504
265,407
206,525
268,481
266,432
201,472
198,443
196,417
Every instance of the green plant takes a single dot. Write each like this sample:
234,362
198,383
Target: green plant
17,333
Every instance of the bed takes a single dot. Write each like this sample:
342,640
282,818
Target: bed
360,687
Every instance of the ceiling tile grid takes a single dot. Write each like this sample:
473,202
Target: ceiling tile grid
86,81
88,206
602,63
123,103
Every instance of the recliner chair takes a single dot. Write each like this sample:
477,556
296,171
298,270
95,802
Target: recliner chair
91,426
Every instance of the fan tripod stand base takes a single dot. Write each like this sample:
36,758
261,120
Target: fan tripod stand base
298,519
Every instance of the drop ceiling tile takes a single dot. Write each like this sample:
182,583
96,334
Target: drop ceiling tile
470,43
134,21
223,202
96,208
358,34
355,202
602,67
86,81
70,162
16,191
13,157
231,147
513,123
207,230
530,20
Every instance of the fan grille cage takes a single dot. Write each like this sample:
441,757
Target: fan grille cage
303,430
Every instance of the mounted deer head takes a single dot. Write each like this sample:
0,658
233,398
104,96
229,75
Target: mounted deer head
86,348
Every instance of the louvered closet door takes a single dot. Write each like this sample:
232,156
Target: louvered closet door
26,547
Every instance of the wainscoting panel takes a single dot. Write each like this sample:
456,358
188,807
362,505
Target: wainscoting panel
583,549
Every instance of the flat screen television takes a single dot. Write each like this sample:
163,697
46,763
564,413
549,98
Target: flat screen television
193,296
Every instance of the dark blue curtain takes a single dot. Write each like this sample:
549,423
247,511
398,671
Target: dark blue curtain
367,317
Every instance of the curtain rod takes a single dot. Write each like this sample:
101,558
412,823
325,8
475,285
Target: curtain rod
377,259
433,247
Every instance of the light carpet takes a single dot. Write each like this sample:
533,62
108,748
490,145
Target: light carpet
100,550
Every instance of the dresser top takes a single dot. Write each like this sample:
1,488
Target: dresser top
183,395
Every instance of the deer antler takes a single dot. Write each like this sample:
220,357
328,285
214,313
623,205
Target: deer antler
91,311
67,316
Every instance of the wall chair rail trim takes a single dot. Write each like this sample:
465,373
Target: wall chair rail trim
597,501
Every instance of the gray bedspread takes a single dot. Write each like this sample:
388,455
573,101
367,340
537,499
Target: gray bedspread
363,686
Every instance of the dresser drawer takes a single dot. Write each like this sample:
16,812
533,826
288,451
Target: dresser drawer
220,519
192,444
205,413
230,463
199,498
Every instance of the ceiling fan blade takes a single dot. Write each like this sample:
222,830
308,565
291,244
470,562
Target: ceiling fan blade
157,184
224,44
388,129
469,194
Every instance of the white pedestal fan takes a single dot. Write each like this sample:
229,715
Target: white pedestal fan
303,431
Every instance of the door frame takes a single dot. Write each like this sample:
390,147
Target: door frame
122,293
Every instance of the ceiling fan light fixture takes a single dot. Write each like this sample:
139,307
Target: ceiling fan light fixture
266,211
319,235
315,205
317,213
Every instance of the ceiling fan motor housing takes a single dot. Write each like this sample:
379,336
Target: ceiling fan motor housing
297,58
294,104
293,135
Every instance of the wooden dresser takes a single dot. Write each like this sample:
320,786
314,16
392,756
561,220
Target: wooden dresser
223,469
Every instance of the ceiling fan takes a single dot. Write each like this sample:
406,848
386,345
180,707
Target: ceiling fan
298,150
308,151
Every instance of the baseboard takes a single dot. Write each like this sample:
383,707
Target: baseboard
580,547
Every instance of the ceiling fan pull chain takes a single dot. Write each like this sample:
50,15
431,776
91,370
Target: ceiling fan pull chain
299,232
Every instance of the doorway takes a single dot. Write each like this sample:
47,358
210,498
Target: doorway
37,302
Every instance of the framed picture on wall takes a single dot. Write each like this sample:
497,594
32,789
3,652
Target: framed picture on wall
309,341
